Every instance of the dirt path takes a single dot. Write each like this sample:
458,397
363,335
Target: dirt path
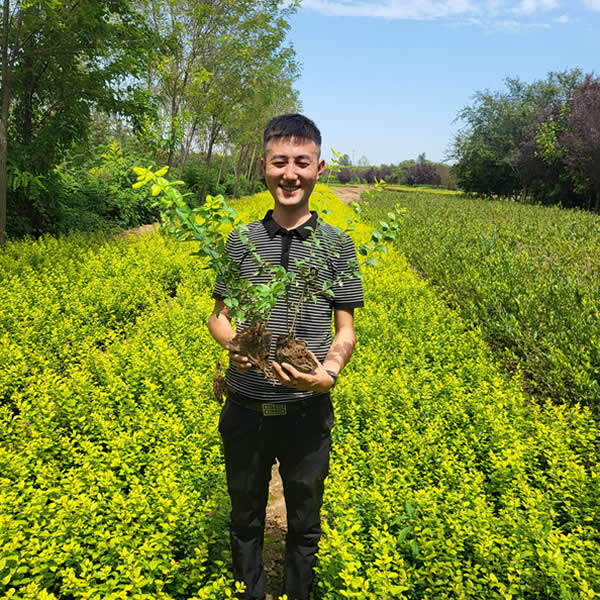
350,193
275,530
142,229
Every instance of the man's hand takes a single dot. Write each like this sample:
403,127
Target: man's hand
318,381
237,360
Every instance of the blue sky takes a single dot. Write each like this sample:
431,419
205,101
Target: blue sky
386,78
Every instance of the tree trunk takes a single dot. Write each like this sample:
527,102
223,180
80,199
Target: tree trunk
185,150
172,133
524,194
29,86
238,170
251,165
214,131
220,168
6,93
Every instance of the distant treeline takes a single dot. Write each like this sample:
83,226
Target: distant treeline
534,142
408,172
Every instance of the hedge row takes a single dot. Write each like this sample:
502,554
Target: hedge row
111,479
445,481
529,276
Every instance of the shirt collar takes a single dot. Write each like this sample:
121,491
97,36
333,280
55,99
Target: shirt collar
302,231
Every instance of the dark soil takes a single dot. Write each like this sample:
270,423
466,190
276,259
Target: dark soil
295,352
255,343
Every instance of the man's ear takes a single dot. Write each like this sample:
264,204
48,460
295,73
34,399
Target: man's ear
321,167
262,164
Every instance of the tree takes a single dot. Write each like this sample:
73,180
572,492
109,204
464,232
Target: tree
423,173
486,150
345,161
61,59
581,139
363,161
345,175
227,66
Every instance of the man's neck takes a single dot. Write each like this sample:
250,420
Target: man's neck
290,219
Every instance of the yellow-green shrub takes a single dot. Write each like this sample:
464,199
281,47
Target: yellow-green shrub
445,480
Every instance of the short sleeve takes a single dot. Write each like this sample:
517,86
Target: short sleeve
350,294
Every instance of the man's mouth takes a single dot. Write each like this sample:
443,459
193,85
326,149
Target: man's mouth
290,189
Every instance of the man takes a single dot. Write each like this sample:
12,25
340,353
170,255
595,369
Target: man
290,421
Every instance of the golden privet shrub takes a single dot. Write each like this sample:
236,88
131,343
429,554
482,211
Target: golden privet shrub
446,481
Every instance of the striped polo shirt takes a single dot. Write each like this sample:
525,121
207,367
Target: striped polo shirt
279,246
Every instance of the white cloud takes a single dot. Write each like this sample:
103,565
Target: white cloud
513,25
393,9
469,11
531,7
593,4
562,19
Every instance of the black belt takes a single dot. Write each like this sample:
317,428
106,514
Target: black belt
274,409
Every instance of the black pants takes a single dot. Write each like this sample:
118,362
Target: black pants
301,441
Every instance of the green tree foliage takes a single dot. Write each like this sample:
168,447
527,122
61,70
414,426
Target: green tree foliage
227,72
169,80
63,60
487,148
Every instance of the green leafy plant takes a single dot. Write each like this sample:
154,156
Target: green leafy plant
289,348
446,480
209,224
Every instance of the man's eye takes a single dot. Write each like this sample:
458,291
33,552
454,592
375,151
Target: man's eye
279,164
303,165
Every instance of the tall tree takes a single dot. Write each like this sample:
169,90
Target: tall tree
6,92
581,139
486,150
211,79
60,60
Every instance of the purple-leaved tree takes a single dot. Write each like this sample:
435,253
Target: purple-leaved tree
581,139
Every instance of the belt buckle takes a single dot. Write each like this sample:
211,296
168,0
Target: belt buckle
271,409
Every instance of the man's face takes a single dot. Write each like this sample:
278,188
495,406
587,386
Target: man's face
291,168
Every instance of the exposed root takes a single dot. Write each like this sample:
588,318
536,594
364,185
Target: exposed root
295,352
220,387
255,343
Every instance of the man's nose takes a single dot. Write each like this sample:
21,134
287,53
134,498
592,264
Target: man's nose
290,171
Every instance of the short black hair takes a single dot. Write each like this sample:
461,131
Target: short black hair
292,126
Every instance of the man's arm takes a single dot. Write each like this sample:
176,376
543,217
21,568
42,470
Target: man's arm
219,325
338,356
344,341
